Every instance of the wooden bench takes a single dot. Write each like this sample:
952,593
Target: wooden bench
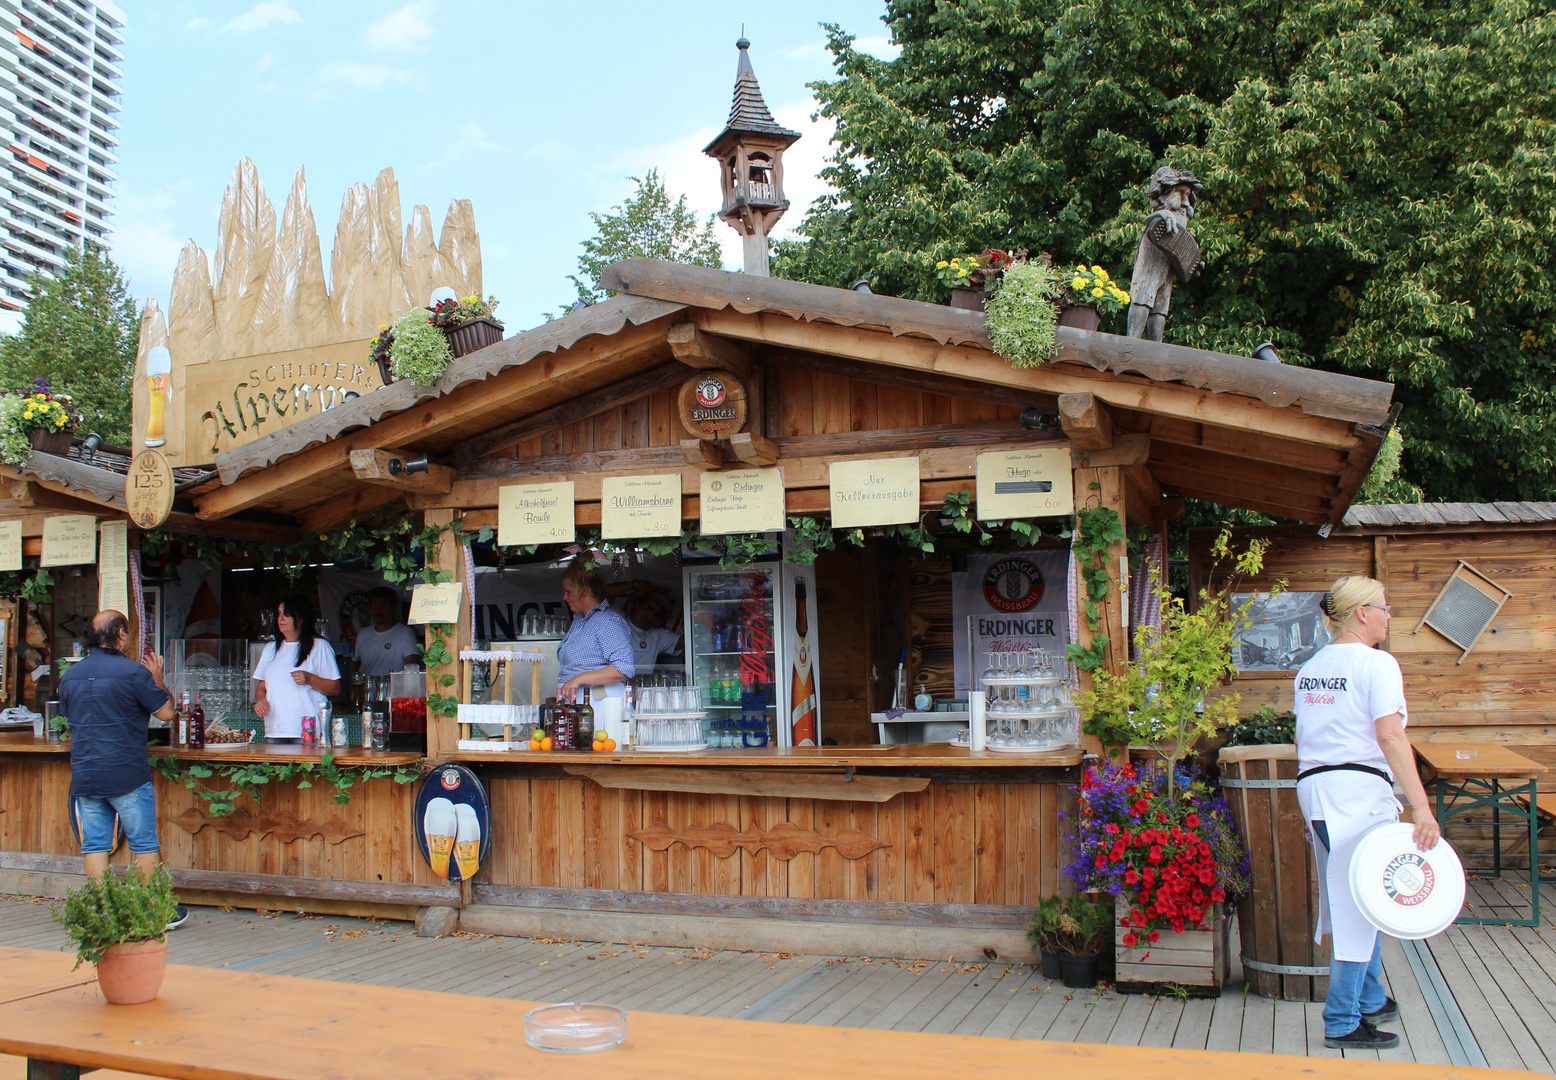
210,1024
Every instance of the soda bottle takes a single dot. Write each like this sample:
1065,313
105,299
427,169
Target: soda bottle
310,727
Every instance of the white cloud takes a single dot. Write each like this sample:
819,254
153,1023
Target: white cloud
201,23
262,16
469,140
407,29
145,241
360,76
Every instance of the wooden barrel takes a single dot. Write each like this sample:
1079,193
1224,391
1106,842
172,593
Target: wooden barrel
1277,917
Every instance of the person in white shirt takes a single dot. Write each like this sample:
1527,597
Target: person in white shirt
386,645
1351,746
295,673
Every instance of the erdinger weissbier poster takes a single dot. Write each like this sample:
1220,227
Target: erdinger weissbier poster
1017,603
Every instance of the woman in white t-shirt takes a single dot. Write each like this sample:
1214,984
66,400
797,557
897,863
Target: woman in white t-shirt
1351,745
296,672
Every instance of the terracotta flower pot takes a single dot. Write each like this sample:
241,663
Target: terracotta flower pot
52,442
1080,316
132,974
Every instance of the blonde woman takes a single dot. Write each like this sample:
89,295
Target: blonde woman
1351,746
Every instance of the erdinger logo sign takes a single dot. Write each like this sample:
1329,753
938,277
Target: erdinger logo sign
710,393
1013,585
713,404
1408,879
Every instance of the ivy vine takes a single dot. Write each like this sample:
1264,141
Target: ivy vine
1096,529
34,586
240,779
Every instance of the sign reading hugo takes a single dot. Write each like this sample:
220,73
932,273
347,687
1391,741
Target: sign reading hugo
1025,484
535,513
637,506
881,491
744,501
713,405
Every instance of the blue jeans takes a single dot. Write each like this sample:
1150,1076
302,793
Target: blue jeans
100,819
1354,987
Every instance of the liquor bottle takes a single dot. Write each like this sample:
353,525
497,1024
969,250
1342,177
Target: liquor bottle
181,720
585,734
802,694
367,728
378,702
565,726
196,724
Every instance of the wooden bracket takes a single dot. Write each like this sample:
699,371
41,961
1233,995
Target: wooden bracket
754,449
695,348
1086,421
702,454
37,497
376,467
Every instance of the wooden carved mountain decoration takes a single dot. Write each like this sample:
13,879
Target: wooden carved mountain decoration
783,841
284,826
259,337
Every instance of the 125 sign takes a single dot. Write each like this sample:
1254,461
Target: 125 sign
148,489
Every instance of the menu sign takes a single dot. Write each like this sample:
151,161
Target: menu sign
10,545
113,567
637,506
745,501
882,491
69,540
436,603
1025,484
535,514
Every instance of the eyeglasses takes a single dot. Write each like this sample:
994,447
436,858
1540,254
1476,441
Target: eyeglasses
1381,607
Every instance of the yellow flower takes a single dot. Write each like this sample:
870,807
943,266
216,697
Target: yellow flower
1078,283
940,265
1098,270
1096,292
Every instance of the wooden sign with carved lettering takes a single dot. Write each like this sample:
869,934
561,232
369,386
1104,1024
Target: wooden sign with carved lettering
713,405
148,489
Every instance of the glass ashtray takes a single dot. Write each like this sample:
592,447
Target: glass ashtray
575,1028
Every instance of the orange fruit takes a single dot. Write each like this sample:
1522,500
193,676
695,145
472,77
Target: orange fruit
610,744
546,743
598,745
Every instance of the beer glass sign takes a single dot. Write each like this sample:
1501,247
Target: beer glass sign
159,379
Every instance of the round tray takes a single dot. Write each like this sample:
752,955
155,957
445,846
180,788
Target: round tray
1403,891
219,747
575,1028
1046,680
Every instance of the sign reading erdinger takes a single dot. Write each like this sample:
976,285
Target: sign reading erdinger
713,405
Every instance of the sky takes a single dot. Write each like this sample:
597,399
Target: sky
537,112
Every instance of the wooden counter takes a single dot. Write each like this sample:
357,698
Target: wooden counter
16,742
920,755
254,752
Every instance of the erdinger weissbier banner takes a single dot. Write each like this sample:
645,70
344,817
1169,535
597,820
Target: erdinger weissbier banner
1017,604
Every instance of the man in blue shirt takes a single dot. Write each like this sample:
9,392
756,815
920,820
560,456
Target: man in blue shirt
109,699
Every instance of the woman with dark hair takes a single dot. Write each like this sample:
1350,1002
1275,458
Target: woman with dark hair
296,672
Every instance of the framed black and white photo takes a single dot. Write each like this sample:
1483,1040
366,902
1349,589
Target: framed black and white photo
1287,630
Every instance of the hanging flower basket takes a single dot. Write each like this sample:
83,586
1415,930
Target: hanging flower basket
467,337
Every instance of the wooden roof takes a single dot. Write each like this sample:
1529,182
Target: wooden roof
1243,432
1437,515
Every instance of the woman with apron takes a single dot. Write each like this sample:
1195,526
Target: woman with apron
1351,744
597,649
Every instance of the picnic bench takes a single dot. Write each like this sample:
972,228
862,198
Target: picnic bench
210,1024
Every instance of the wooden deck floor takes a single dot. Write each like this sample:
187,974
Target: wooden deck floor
1504,980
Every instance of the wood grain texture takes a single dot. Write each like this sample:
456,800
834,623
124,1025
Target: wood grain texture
284,827
751,782
784,841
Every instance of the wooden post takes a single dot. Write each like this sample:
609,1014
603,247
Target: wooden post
1380,572
1093,488
443,731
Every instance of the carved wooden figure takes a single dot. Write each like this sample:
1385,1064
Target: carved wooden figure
1167,251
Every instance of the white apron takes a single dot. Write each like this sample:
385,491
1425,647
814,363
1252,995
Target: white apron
1349,803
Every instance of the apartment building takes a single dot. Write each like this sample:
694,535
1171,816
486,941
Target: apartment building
59,95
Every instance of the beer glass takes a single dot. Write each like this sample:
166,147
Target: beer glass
159,378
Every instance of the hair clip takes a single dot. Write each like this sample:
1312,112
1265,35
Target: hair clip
1327,603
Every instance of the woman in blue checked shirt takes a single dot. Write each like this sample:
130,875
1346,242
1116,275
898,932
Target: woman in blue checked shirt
597,650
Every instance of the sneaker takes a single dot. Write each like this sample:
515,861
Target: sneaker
1389,1011
180,917
1365,1037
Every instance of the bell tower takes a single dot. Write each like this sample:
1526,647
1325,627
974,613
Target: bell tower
750,155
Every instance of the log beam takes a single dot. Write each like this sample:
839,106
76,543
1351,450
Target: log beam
1086,421
702,454
753,449
695,349
385,468
36,496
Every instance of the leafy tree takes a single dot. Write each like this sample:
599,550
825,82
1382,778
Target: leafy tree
80,333
1380,186
647,225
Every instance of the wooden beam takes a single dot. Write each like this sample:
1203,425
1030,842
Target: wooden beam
928,382
38,496
75,479
769,783
383,467
696,349
1105,487
338,510
1086,421
702,454
1252,473
1247,445
236,527
1171,508
446,554
569,412
753,449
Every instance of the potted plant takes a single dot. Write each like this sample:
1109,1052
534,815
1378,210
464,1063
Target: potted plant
1089,294
36,419
121,926
468,322
1021,314
419,351
378,351
968,276
1045,935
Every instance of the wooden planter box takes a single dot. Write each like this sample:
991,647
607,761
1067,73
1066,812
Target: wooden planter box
475,334
967,298
1194,958
52,442
1080,316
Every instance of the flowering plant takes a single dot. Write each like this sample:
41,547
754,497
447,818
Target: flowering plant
24,411
1092,285
448,314
973,271
420,350
1168,852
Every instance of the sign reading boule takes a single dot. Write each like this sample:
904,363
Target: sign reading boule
148,489
713,405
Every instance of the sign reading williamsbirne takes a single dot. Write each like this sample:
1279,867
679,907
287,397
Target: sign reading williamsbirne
745,501
882,491
535,514
632,507
1025,484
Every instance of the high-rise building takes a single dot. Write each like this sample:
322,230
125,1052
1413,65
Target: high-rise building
59,93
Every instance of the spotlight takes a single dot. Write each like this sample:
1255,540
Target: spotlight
403,467
1266,351
90,446
1034,419
862,285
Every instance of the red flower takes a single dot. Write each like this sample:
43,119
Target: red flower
1155,856
1139,807
1130,877
1161,815
1130,940
1217,895
1192,821
1153,937
1111,829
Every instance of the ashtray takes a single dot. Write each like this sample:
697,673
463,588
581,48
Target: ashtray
575,1028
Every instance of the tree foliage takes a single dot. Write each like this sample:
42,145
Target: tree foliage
1380,186
80,333
647,225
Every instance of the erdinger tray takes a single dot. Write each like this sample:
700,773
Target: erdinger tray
1403,891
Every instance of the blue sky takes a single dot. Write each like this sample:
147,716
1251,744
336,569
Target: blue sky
538,112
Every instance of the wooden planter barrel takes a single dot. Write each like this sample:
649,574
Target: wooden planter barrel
1194,958
1277,917
476,334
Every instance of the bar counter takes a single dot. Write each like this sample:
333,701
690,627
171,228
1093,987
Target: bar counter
922,755
12,743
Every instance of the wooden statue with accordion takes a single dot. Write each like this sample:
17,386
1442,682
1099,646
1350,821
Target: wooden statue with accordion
1167,251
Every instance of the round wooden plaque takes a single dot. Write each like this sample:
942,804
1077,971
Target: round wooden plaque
713,405
148,489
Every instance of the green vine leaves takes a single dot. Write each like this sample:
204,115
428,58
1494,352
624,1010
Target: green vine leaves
233,782
1096,529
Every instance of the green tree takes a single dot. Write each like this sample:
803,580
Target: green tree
79,333
647,225
1380,186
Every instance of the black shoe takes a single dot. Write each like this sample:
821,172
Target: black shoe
1365,1037
180,917
1389,1011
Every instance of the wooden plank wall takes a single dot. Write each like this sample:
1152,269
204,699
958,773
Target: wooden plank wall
949,844
848,634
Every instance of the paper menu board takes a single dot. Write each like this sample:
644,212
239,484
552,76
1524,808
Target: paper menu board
114,553
879,491
743,501
113,591
535,514
10,545
436,603
632,507
1025,483
69,540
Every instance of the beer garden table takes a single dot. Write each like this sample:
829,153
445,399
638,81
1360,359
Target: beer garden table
1476,774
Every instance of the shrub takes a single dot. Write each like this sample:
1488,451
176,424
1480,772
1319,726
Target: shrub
1022,315
108,911
420,350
